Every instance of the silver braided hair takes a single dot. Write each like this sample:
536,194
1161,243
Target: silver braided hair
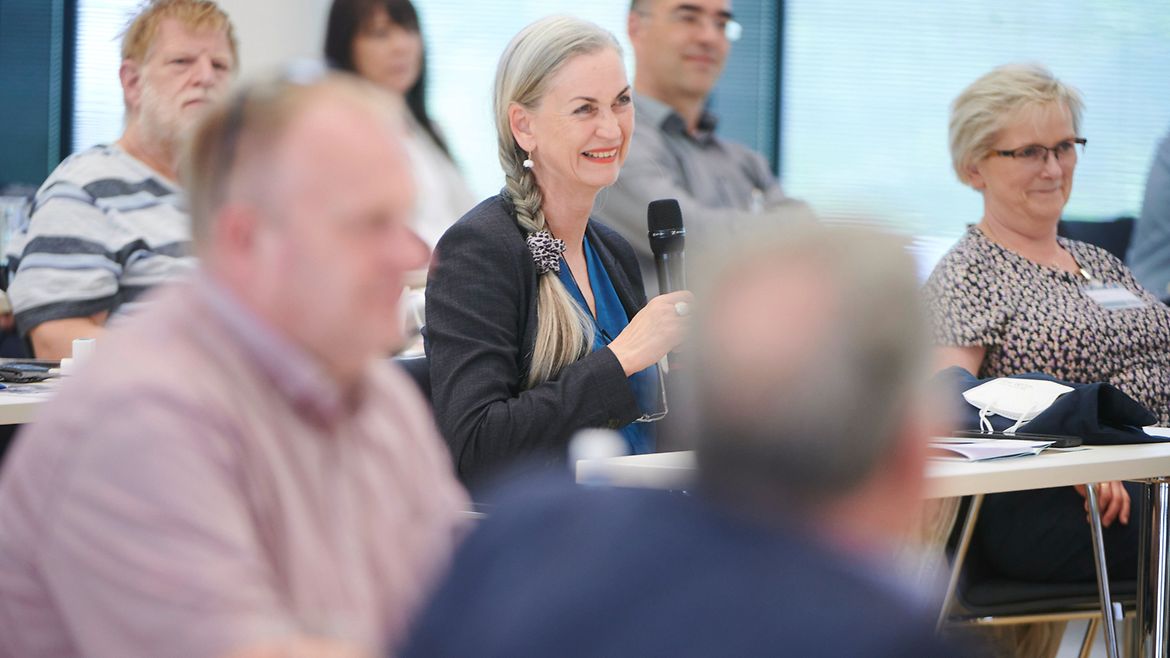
563,331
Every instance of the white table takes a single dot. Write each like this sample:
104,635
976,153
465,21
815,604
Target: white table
20,405
676,470
1149,464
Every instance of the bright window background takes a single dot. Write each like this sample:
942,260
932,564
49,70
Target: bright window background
865,91
867,88
98,109
464,41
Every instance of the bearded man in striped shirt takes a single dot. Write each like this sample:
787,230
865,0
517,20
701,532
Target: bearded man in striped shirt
111,221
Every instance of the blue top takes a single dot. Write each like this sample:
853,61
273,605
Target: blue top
609,322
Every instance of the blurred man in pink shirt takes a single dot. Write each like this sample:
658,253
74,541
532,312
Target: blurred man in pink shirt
238,471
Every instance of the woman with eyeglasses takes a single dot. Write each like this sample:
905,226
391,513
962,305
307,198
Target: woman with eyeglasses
380,40
537,322
1012,297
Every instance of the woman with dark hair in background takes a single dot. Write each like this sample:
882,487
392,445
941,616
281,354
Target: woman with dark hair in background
380,40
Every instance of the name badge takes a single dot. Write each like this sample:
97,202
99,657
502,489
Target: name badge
1113,297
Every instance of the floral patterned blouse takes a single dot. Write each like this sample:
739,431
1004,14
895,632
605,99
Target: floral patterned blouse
1032,317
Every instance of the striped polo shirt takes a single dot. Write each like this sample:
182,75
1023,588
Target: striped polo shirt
103,228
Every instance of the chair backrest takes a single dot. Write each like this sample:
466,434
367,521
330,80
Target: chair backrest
1112,235
984,593
419,371
982,597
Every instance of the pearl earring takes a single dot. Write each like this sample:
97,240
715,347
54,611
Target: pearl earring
528,163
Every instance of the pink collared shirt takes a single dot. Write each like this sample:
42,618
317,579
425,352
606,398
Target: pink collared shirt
200,486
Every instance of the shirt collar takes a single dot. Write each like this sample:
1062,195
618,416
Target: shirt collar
295,373
150,174
665,117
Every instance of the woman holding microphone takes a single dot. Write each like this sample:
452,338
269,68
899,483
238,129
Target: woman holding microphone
538,324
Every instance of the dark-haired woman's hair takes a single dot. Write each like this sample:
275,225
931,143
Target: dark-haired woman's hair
346,18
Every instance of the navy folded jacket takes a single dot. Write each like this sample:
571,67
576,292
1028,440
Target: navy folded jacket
1099,413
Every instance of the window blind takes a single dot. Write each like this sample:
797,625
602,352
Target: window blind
31,90
867,88
97,92
464,41
747,98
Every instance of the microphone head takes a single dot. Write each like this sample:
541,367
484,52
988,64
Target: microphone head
665,224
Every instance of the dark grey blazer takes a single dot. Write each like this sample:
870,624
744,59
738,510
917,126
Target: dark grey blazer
481,328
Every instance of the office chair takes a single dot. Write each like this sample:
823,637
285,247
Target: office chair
419,371
976,596
1112,235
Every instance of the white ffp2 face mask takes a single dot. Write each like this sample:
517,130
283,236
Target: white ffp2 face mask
1018,399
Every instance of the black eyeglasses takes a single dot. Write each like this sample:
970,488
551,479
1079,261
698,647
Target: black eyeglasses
1037,154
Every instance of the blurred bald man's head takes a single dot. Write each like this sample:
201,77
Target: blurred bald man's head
810,359
301,197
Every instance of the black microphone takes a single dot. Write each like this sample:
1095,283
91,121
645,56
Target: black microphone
667,241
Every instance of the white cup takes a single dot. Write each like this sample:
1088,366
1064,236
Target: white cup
82,350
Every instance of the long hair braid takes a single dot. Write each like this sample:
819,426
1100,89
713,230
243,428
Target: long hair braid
564,331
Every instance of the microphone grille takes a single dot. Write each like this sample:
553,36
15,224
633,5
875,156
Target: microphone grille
664,215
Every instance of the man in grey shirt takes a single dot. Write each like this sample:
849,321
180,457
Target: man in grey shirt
681,47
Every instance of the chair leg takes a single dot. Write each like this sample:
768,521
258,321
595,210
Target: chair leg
1107,621
1090,635
1128,637
968,530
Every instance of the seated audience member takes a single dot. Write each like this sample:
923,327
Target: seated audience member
680,48
380,40
1012,297
111,221
811,434
537,323
237,471
1149,252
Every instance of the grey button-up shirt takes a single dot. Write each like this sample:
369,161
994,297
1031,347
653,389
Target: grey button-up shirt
1149,252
